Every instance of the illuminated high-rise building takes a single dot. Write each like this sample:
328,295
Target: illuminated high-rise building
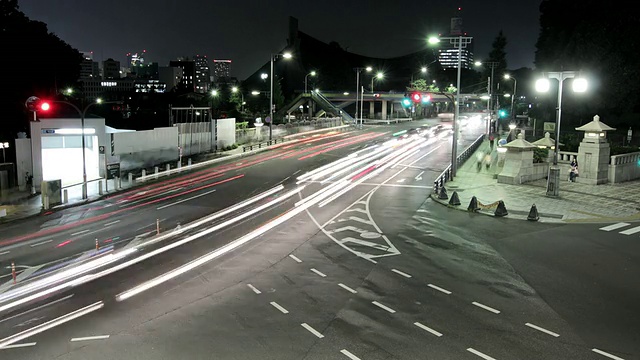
221,70
448,56
202,73
89,69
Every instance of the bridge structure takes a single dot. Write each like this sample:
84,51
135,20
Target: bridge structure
389,104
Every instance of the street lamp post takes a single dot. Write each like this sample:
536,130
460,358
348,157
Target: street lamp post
273,59
542,85
492,65
235,90
359,93
460,42
378,76
3,146
513,96
313,73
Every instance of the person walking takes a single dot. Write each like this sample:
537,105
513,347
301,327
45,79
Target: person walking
487,161
479,159
492,138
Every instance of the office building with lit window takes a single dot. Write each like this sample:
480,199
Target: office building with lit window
221,70
202,79
448,56
188,67
89,69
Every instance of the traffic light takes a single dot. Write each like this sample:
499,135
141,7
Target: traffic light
416,97
426,98
406,102
44,106
502,113
34,103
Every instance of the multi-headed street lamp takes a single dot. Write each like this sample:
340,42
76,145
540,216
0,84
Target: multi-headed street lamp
459,42
286,55
543,85
313,73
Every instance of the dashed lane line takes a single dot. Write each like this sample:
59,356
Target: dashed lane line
254,289
488,308
439,289
15,346
347,288
401,273
312,330
318,272
111,223
604,353
348,354
4,252
384,307
426,328
277,306
542,329
295,258
41,243
476,352
80,232
90,338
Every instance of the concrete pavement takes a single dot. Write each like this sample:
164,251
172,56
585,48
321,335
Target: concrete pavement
577,202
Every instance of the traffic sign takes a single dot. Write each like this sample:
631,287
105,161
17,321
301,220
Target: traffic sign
549,126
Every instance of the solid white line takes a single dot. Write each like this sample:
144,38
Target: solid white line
111,223
99,337
383,307
614,226
5,253
254,289
631,231
488,308
401,273
424,327
318,272
542,329
476,352
439,289
312,330
349,355
295,258
41,243
347,288
14,346
80,232
37,308
187,199
277,306
606,354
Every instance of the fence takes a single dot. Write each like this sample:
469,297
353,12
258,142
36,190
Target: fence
262,144
445,176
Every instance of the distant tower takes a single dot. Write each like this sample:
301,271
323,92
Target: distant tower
448,57
221,70
202,70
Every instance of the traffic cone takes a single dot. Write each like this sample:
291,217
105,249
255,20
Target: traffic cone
533,213
455,200
443,194
501,210
473,205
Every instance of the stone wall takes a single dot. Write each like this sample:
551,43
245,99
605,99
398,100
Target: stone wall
624,167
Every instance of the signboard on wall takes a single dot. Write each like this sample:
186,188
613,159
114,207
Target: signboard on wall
113,171
549,126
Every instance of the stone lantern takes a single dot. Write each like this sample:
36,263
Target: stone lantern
518,162
547,143
594,153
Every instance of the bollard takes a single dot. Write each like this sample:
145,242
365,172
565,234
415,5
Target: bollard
158,226
97,245
473,205
130,178
100,187
443,194
144,172
179,165
189,161
156,171
65,196
168,167
501,210
116,183
45,199
533,213
33,190
455,200
13,271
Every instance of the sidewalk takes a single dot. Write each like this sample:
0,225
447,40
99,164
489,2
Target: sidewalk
577,202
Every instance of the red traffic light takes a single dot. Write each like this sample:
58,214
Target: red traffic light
44,106
416,97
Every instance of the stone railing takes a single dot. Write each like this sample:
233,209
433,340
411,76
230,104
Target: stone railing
565,156
624,167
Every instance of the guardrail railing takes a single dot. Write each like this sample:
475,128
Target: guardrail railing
262,144
445,176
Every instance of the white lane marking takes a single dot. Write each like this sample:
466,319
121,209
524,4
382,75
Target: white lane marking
254,289
439,289
318,272
419,176
401,273
383,307
14,346
610,356
37,308
424,327
41,243
476,352
295,258
542,329
111,223
348,354
297,171
88,338
80,232
4,253
401,180
347,288
277,306
187,199
488,308
614,226
633,230
312,330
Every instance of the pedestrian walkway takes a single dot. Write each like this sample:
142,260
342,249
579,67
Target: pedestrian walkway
577,202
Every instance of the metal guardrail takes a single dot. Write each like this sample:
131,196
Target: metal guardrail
262,144
445,176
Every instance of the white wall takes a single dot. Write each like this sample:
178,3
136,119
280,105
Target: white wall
143,149
24,164
226,132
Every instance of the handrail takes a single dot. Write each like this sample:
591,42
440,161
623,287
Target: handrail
261,144
445,176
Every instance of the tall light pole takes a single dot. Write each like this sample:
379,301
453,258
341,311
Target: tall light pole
542,85
286,55
513,96
492,65
4,145
378,76
235,90
459,42
359,93
313,73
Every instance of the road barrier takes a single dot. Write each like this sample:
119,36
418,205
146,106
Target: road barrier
455,200
262,144
533,214
445,176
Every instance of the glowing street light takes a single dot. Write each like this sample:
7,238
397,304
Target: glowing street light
286,55
313,73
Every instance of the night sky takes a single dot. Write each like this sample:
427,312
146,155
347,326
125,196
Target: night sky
247,31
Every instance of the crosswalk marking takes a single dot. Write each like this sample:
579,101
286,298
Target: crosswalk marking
631,231
614,226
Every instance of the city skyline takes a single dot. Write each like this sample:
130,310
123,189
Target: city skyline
249,47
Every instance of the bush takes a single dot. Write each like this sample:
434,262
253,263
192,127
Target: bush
540,155
234,146
617,150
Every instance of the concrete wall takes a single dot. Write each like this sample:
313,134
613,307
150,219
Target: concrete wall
624,167
142,149
225,132
195,138
258,134
24,164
